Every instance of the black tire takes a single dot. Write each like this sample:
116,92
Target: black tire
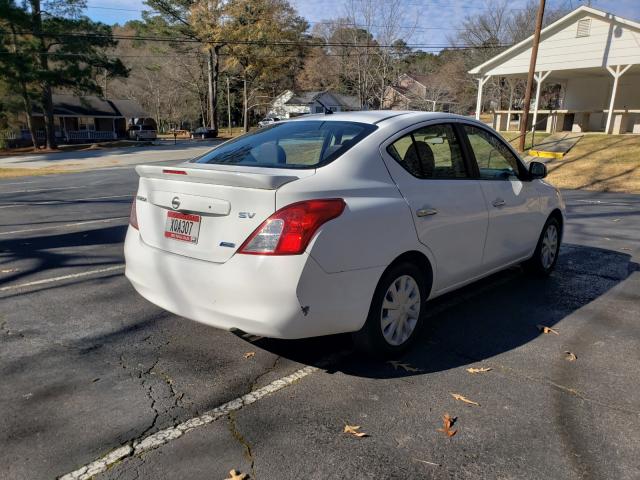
371,339
539,264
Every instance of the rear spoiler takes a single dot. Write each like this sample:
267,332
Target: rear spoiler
232,178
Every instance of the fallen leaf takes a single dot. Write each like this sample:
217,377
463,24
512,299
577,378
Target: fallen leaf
571,357
405,366
479,370
448,422
249,354
9,270
545,329
353,430
459,397
236,475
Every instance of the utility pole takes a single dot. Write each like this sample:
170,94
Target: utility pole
532,69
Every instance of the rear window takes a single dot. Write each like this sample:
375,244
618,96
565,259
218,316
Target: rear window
300,144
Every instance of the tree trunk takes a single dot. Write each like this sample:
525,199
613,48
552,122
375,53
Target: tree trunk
245,104
47,101
213,87
24,93
28,110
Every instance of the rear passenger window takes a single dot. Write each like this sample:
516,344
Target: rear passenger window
431,153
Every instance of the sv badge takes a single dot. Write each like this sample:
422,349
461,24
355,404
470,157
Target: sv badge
246,214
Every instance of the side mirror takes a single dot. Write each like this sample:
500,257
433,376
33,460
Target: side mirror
537,170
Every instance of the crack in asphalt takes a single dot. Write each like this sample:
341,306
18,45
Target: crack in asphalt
248,452
572,392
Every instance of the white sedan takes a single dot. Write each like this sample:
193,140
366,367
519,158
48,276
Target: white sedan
338,223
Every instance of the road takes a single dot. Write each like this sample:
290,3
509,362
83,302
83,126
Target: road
88,366
161,151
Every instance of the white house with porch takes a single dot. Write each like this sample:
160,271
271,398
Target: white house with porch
594,59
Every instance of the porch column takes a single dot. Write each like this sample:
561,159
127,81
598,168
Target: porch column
617,73
512,84
539,78
481,82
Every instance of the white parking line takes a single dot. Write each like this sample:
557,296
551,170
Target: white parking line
169,434
66,225
61,202
62,277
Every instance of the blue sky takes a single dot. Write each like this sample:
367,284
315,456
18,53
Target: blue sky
434,20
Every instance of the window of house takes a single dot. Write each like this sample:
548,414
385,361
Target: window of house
431,152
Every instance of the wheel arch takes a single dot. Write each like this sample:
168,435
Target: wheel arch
418,258
557,214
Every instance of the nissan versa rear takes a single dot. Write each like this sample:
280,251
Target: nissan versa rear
338,223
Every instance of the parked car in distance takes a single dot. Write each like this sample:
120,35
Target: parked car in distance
267,121
204,132
142,132
339,223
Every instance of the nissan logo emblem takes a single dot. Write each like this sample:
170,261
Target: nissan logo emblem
175,203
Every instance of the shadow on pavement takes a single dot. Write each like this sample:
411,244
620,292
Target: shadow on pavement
489,317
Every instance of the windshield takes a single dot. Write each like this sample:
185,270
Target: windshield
300,144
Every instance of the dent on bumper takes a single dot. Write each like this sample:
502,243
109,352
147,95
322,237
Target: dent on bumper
278,297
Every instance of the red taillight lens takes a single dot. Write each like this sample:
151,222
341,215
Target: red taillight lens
133,216
174,172
290,229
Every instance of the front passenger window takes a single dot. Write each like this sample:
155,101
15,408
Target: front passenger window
495,161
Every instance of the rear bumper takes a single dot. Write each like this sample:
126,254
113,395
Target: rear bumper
279,297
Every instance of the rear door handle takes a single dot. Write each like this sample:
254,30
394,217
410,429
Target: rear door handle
425,212
498,202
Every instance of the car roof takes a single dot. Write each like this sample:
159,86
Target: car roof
377,117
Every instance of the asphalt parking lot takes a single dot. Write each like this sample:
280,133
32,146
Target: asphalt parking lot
96,379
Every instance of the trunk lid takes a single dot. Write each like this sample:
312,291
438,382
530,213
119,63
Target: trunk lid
219,205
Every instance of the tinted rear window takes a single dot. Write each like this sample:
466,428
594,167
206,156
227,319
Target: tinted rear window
300,144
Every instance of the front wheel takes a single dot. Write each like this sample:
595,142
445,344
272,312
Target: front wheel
396,313
545,257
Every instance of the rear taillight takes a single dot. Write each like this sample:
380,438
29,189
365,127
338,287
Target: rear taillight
290,229
133,216
173,172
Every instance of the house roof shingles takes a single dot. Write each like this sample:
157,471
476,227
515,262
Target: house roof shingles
93,106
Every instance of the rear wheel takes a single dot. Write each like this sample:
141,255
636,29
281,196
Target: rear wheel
545,257
396,313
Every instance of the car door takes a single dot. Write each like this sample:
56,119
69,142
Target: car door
512,200
449,211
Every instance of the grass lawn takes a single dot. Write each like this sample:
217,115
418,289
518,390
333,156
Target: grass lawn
605,163
8,172
513,138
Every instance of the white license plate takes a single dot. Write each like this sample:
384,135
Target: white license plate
182,226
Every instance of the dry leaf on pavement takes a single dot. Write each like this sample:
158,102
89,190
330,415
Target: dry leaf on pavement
479,370
236,475
545,329
570,356
353,430
448,422
461,398
405,366
249,354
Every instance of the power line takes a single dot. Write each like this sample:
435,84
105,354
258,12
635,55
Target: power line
271,43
